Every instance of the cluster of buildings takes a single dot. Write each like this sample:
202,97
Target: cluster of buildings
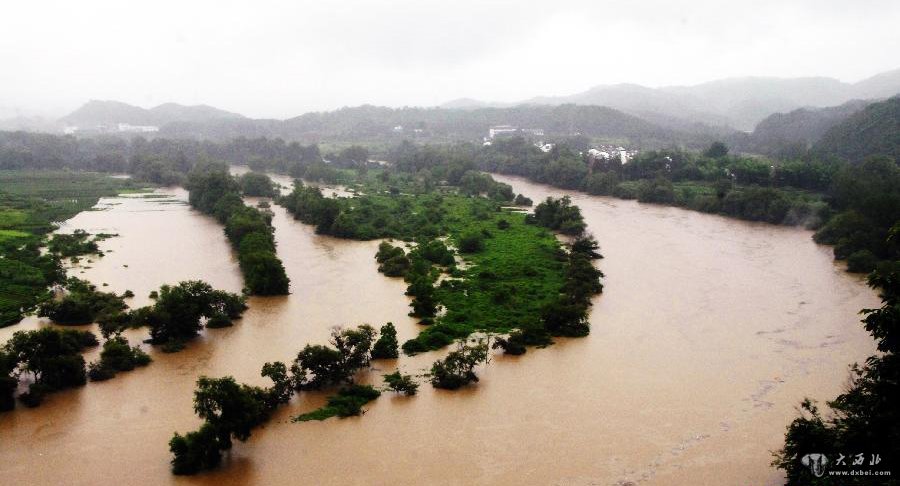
609,152
597,152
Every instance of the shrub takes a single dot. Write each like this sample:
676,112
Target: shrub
401,383
862,261
386,345
513,344
471,242
458,368
347,403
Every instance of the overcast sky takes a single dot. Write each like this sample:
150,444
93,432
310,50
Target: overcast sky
280,59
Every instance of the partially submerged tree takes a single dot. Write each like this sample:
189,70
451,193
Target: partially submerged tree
458,368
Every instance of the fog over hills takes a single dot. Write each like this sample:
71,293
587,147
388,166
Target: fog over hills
97,112
739,103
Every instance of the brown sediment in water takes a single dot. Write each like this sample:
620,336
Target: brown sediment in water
710,331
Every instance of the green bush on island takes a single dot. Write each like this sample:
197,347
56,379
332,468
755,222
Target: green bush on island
386,347
178,314
70,245
347,403
559,215
82,304
392,260
117,356
458,368
256,184
404,384
318,366
513,344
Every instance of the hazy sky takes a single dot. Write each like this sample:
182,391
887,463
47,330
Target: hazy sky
280,59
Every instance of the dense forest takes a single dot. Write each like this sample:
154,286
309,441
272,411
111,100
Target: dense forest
874,130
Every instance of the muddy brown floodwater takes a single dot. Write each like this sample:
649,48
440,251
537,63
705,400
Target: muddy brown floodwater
709,333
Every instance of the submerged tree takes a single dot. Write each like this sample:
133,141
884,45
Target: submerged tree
458,368
386,347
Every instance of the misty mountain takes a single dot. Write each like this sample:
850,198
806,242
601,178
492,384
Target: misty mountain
96,112
433,125
787,135
738,103
875,130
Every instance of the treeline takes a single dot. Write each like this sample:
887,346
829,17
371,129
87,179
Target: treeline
864,419
231,410
851,206
160,160
215,192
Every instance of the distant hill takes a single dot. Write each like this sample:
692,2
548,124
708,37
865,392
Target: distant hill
96,112
791,134
431,125
739,103
874,130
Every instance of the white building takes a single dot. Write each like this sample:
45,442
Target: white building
127,128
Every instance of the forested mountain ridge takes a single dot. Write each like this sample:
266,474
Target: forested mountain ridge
791,134
872,131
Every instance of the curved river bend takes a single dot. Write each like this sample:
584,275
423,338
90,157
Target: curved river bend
709,333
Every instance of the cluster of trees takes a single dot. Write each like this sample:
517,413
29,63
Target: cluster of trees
82,304
559,215
257,184
117,355
231,410
567,315
214,192
866,204
160,160
50,356
392,260
457,369
75,244
25,275
179,313
386,214
864,418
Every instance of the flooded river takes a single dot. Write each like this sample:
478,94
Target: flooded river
710,331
